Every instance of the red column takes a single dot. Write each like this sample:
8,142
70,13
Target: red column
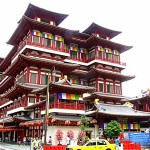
39,76
121,88
27,76
104,85
114,88
97,85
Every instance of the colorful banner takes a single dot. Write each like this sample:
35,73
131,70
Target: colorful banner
83,50
58,38
99,48
82,82
115,52
73,48
107,50
66,47
36,33
68,96
74,81
47,36
130,126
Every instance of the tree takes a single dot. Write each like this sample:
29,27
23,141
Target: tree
113,129
59,135
84,123
70,134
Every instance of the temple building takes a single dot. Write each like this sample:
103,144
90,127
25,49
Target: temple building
64,74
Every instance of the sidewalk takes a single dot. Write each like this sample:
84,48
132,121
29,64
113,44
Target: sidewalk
7,146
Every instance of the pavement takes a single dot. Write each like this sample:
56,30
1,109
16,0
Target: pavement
6,146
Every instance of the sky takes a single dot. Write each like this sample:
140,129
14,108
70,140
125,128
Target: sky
131,17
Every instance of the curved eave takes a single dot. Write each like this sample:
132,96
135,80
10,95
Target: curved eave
65,88
120,110
104,96
6,84
109,75
72,87
17,90
27,24
95,28
23,60
36,105
7,60
107,44
33,11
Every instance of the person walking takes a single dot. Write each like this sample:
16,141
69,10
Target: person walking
36,144
19,140
50,140
24,140
117,142
68,140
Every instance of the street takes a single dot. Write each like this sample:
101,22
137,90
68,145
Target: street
6,146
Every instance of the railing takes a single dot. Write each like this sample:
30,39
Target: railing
64,105
98,58
41,45
16,105
107,60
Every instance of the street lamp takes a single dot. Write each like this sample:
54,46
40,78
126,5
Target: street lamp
53,73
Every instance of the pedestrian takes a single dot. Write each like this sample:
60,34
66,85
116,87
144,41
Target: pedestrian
68,140
117,142
24,140
19,140
40,144
50,140
36,144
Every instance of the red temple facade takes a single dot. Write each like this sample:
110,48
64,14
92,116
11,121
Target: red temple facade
87,66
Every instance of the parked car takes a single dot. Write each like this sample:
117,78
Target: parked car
94,144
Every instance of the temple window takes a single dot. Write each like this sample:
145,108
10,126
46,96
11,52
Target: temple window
36,36
116,58
101,87
108,56
100,54
44,79
33,77
58,44
91,54
31,100
108,52
73,54
36,39
118,90
109,87
47,42
58,41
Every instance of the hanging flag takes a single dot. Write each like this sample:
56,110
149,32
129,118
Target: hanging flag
108,50
59,38
47,35
115,52
36,33
68,96
73,47
99,48
83,50
74,81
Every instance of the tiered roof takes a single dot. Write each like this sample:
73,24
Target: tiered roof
95,28
33,11
65,86
23,61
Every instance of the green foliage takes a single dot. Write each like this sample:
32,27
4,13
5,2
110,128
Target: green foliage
84,123
113,129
